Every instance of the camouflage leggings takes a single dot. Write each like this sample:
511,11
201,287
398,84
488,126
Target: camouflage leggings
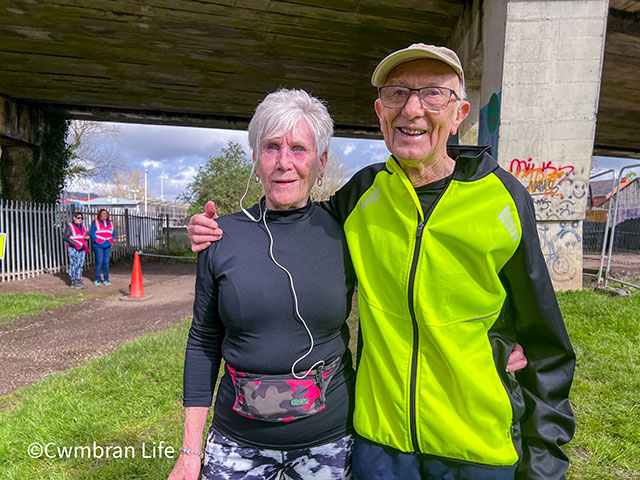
76,262
226,460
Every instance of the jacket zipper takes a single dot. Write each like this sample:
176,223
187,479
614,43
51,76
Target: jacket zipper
416,333
416,341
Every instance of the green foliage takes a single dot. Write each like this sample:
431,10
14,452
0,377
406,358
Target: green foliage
223,179
48,175
13,305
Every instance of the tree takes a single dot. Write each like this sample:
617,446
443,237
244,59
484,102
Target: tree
127,184
94,153
224,180
335,176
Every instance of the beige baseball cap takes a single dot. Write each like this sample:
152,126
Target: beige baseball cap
416,52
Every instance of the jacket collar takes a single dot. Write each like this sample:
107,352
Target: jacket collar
472,162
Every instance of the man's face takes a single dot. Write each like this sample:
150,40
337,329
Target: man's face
413,134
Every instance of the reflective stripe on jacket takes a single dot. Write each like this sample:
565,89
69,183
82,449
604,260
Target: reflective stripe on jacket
104,233
77,235
443,296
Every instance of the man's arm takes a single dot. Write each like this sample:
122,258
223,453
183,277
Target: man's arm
203,230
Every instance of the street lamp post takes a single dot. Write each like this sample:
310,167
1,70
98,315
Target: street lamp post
145,191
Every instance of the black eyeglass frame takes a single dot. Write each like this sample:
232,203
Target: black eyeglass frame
417,90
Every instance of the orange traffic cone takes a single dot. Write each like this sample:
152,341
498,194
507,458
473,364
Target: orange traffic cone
136,289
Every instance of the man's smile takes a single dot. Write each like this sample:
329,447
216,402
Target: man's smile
411,131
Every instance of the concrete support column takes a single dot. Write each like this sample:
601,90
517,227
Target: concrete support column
15,165
468,130
539,96
466,40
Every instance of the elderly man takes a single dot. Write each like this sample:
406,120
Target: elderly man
450,274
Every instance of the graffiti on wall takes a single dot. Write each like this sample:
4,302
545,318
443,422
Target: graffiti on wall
558,191
561,244
544,178
489,124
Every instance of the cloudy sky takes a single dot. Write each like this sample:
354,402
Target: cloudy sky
175,153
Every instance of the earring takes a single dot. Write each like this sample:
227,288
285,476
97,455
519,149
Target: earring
257,179
319,182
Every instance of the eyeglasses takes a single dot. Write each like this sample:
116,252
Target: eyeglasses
78,217
431,98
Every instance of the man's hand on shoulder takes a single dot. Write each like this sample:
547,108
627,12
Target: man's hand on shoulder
203,229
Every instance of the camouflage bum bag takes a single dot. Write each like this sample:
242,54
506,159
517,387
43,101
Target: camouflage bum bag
281,398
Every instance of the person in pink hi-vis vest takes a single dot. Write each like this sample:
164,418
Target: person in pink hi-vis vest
102,240
75,236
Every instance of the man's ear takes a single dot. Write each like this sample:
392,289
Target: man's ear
461,114
377,106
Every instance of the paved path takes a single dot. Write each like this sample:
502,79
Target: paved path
34,346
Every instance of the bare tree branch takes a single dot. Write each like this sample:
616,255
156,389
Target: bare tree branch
127,184
95,153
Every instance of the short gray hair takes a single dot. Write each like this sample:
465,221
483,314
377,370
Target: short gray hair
281,111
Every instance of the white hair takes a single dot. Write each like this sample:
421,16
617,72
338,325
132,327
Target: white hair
281,111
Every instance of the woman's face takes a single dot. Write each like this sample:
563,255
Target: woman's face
103,215
288,166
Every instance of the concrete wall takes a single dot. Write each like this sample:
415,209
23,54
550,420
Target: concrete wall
21,131
539,95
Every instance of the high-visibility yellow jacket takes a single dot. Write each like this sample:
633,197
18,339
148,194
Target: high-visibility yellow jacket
443,296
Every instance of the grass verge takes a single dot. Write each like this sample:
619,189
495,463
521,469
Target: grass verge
14,305
132,397
605,332
128,399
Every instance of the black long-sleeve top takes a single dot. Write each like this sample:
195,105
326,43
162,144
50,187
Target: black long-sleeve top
244,312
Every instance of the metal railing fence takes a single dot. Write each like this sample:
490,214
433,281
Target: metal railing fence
34,245
625,230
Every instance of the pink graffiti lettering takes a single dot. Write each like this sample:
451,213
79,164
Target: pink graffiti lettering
544,179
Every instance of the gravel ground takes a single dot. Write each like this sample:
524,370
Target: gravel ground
34,346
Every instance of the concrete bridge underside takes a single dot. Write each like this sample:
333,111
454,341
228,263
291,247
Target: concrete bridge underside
551,82
207,63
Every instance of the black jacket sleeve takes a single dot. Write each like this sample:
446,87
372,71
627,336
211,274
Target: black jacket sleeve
548,421
66,235
203,355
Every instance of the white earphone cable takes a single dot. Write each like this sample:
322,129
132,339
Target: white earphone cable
263,214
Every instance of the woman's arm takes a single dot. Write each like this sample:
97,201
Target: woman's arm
188,465
92,232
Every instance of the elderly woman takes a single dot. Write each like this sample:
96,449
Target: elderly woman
272,298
